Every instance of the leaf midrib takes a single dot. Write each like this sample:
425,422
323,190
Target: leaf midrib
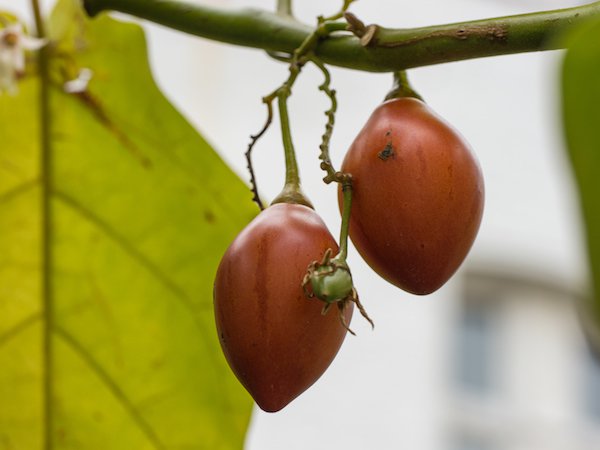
46,182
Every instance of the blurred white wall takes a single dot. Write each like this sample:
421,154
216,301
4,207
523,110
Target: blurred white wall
385,390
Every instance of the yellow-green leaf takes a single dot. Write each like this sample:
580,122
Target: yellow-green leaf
107,338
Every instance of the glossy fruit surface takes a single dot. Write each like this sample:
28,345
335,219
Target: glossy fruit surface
417,195
275,339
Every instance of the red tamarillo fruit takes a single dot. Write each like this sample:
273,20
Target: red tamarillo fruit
418,195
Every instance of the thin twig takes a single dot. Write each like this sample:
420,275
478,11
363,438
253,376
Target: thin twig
325,87
337,15
253,139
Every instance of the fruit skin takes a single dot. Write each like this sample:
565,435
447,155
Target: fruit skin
418,195
275,339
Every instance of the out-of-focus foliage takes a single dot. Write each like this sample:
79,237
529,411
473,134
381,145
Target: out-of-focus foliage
121,333
581,109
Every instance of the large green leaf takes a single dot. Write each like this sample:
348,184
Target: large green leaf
107,338
581,109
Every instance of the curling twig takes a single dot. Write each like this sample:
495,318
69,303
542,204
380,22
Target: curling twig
303,54
326,164
253,139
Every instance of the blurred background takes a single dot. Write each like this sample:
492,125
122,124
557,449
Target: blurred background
495,360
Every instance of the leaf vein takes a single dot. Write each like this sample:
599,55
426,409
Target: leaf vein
145,262
115,124
7,196
125,245
11,333
112,386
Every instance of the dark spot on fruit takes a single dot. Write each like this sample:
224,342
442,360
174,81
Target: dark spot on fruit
387,152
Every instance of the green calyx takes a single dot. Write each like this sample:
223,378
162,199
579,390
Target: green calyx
330,280
292,194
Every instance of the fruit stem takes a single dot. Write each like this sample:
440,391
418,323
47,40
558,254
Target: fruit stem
292,177
345,227
284,8
401,87
345,179
292,192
